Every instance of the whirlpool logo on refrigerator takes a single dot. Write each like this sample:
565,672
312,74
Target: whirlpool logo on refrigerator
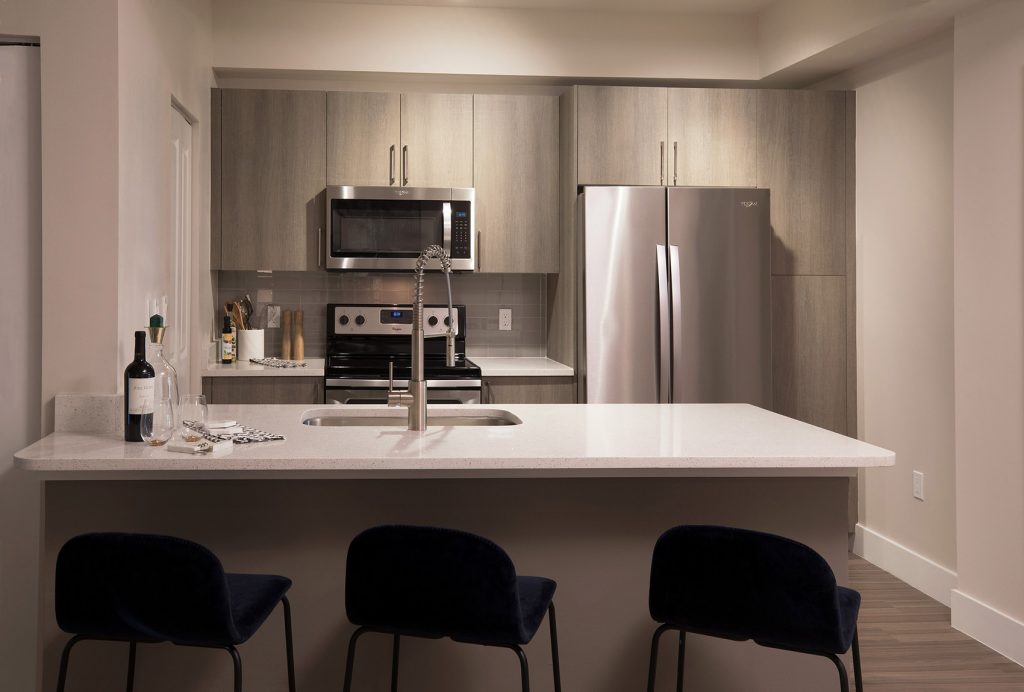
749,203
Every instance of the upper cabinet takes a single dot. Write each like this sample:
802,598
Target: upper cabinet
414,140
437,140
363,138
515,164
712,136
802,138
272,176
622,135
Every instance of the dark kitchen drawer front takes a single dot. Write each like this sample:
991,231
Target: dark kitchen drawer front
264,390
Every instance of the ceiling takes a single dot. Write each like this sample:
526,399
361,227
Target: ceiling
673,6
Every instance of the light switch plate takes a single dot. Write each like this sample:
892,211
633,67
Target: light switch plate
273,316
919,485
505,319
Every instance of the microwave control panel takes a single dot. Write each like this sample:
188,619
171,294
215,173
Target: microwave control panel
461,231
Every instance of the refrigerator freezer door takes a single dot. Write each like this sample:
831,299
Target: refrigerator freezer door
719,240
622,228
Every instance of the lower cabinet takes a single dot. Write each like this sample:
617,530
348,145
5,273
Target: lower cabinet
263,390
529,390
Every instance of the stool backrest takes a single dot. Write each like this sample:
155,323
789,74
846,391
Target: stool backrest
142,586
743,584
432,582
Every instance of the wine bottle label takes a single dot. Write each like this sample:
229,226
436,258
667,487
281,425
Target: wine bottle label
140,393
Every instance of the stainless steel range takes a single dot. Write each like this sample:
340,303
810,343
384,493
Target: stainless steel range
363,339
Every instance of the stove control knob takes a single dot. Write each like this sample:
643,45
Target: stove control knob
432,321
343,320
360,319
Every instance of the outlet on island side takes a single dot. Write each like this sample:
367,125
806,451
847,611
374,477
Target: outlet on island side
505,319
919,485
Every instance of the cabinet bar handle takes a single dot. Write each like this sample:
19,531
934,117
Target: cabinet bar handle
405,165
675,163
391,166
662,161
320,247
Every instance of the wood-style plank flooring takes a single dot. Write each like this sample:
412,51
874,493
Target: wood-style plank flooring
907,643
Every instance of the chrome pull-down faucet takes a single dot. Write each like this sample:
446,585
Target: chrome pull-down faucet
415,396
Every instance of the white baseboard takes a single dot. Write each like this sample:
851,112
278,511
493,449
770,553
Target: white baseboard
923,574
991,627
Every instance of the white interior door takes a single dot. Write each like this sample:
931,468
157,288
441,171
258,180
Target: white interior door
179,319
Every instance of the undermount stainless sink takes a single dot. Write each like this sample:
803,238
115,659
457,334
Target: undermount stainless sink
436,418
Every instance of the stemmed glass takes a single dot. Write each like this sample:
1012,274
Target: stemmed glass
193,410
157,427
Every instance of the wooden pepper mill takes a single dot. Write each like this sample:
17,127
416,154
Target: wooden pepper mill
298,341
286,335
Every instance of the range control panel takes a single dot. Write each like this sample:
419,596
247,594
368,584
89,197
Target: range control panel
390,320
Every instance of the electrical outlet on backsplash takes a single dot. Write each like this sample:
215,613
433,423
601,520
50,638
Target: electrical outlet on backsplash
483,295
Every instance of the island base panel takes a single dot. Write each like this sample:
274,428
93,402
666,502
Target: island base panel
593,536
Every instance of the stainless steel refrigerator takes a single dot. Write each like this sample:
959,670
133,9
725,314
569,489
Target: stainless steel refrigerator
675,295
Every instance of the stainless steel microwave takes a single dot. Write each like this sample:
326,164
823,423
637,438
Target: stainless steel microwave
386,228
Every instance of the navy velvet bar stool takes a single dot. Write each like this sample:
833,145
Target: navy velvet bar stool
739,584
420,581
143,588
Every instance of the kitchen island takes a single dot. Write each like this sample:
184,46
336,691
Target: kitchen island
576,493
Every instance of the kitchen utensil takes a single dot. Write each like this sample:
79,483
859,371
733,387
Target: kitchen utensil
236,315
286,335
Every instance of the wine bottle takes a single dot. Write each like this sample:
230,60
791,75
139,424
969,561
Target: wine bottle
139,381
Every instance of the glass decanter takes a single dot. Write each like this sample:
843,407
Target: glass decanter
166,395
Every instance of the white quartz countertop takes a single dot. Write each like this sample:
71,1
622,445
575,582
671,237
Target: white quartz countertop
568,440
314,368
521,367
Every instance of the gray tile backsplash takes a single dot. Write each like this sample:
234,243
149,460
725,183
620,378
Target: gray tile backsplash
482,294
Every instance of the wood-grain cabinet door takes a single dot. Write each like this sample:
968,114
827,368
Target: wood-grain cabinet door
264,390
363,138
437,140
529,390
273,174
809,368
515,173
801,140
621,135
712,136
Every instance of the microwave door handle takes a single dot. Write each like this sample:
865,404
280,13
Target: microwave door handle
664,346
446,237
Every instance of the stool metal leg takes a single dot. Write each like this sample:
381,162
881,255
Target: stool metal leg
289,647
524,668
858,678
554,648
64,657
131,667
349,664
652,670
680,660
844,683
394,664
238,666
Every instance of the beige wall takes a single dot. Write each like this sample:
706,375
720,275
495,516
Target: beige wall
164,50
305,35
989,304
905,292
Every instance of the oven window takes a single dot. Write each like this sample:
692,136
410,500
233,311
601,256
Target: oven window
385,228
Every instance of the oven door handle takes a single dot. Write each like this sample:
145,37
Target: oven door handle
383,384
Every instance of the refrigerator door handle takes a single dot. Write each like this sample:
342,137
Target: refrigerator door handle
677,312
664,348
